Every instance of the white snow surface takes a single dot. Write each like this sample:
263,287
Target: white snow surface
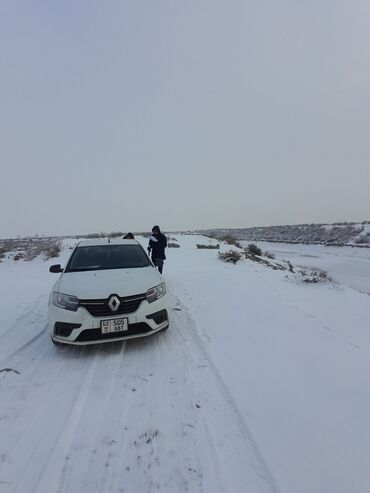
347,265
261,384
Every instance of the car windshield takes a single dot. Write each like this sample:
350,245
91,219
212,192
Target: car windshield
102,257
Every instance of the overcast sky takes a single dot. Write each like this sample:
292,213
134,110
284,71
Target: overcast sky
117,115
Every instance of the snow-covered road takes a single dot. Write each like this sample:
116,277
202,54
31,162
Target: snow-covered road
259,385
148,415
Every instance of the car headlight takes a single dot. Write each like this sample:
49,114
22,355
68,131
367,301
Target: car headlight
65,301
155,293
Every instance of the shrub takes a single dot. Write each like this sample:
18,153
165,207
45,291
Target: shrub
230,256
362,239
263,261
18,256
314,276
230,240
30,254
173,245
253,249
53,250
209,247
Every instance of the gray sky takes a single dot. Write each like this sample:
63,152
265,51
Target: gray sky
117,115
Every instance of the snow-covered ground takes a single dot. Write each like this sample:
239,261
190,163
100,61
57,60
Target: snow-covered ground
349,266
260,385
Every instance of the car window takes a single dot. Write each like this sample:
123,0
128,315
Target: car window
107,257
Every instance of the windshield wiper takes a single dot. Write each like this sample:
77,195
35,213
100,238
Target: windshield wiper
79,269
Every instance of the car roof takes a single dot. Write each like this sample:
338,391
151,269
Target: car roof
106,241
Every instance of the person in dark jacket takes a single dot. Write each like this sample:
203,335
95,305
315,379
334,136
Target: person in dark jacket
156,247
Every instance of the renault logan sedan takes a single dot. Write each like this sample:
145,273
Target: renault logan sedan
108,291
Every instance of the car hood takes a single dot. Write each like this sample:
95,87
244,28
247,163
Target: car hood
103,283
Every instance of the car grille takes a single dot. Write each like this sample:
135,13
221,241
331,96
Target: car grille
100,308
96,335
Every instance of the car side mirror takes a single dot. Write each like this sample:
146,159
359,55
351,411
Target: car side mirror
56,269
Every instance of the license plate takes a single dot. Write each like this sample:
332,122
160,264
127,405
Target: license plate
114,325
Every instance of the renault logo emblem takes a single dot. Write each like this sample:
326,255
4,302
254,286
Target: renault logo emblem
114,303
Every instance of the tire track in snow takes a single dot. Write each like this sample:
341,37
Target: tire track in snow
7,356
46,482
17,337
117,439
73,441
214,385
26,429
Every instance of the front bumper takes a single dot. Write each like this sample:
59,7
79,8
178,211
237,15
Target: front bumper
81,328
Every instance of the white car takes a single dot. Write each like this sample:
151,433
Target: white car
108,291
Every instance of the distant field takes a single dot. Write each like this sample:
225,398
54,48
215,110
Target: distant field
337,234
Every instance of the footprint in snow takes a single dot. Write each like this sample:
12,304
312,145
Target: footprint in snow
146,438
8,370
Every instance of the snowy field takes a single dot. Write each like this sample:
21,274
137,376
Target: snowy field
347,265
261,384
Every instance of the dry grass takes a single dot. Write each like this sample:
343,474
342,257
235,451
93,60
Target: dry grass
208,247
29,248
53,250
